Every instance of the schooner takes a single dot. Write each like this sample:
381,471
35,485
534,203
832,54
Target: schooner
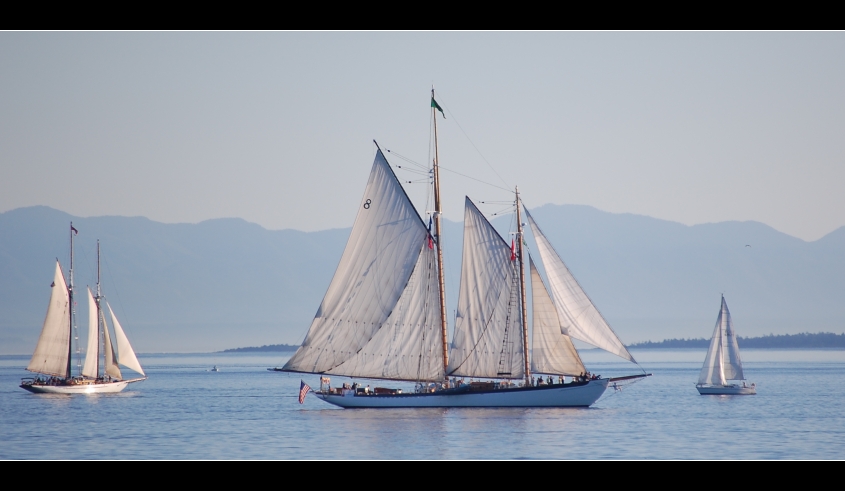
384,314
53,353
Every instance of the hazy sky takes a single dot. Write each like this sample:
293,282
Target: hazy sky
277,128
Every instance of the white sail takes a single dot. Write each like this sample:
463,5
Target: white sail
372,281
52,352
488,329
125,353
111,367
90,369
408,346
722,362
552,352
578,315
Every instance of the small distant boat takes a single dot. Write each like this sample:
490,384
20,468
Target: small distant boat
53,353
722,371
214,369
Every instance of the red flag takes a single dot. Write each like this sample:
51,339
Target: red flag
75,232
513,250
430,240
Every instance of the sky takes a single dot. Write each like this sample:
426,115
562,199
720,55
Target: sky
278,127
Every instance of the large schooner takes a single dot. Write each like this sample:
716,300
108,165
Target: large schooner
384,314
53,353
722,372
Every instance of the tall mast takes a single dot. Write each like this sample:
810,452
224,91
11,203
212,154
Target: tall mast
437,212
99,311
72,308
522,288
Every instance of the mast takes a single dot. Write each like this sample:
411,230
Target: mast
99,309
72,308
437,212
522,289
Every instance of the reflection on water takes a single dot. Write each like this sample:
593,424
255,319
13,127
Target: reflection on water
247,412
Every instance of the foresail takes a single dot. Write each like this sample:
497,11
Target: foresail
376,319
111,367
552,352
52,351
730,353
125,353
578,315
488,329
408,346
712,373
90,369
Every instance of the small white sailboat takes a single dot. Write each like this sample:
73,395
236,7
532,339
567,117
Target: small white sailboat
384,314
53,353
722,371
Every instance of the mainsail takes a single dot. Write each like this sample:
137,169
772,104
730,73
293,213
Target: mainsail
92,354
552,351
380,317
722,362
52,353
488,338
578,316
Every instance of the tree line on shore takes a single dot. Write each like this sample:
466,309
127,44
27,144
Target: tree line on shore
803,340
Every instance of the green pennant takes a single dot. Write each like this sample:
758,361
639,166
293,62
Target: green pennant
435,105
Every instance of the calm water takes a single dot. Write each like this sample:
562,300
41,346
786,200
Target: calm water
185,411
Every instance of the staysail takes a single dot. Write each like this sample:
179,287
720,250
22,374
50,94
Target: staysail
92,354
722,362
578,315
111,367
125,353
488,339
52,352
380,317
552,352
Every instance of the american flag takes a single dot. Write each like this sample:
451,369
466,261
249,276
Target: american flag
303,391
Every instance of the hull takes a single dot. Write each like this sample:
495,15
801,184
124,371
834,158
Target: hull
726,390
567,395
79,388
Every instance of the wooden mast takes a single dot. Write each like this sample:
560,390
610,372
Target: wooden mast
437,229
99,310
522,288
71,307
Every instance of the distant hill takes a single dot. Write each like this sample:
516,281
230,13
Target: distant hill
207,286
782,341
267,348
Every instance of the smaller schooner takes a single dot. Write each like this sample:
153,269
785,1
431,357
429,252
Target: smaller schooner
53,353
722,371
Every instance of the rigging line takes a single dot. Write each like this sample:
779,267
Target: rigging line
474,179
406,159
471,142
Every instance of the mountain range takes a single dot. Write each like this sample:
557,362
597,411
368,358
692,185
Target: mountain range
227,282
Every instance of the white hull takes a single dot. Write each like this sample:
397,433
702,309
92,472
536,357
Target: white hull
728,390
569,395
81,388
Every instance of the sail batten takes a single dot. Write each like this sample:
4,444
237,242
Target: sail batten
578,315
92,353
488,341
552,351
381,310
51,353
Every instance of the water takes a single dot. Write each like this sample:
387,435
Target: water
185,411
